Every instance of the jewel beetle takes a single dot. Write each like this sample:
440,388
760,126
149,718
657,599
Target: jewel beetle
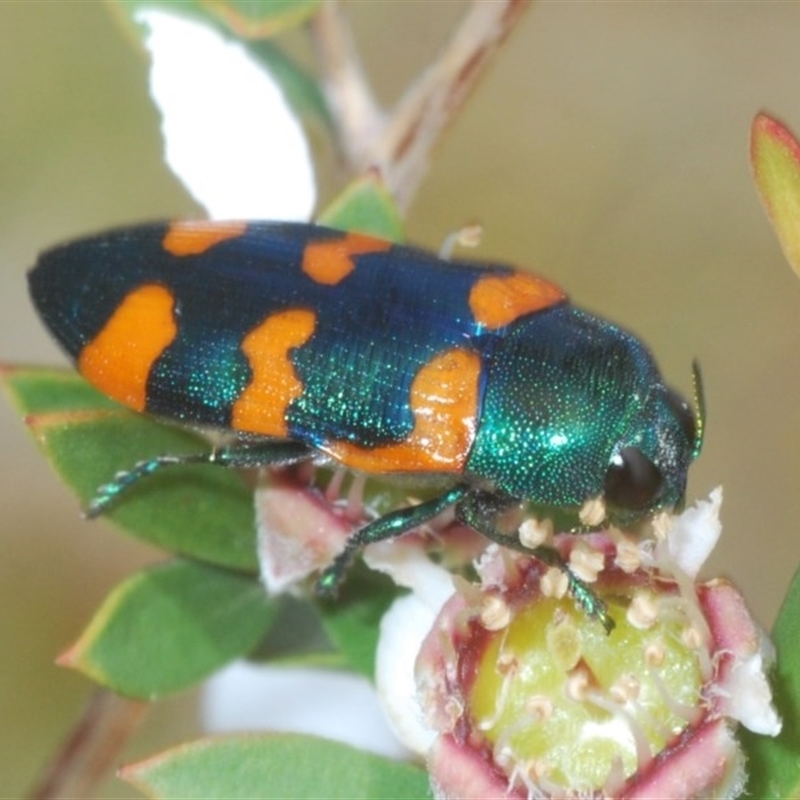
309,343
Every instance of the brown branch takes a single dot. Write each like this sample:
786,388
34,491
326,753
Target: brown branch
353,107
400,148
431,104
92,748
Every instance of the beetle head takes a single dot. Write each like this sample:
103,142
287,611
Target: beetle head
648,468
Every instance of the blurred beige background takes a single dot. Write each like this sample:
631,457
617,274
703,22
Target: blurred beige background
607,149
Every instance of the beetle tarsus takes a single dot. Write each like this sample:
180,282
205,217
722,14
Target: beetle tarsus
588,601
108,492
389,526
246,455
330,580
479,509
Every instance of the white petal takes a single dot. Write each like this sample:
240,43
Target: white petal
748,693
298,533
694,534
403,628
406,561
229,134
337,705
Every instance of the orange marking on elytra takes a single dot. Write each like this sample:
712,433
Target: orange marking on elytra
118,360
192,237
261,407
331,260
444,402
498,300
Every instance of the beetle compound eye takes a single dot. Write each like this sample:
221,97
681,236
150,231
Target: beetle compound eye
632,480
684,414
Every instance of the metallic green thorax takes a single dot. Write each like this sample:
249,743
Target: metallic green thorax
565,393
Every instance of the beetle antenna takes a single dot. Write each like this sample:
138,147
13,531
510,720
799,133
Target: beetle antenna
700,406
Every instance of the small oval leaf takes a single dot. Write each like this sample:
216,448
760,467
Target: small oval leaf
775,160
352,623
365,206
274,767
46,390
202,511
245,19
258,19
167,627
302,92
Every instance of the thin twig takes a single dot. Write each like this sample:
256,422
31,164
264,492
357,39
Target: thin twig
400,147
92,747
432,102
354,109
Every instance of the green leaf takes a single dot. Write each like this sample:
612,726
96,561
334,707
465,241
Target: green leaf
196,510
300,90
169,626
274,766
297,637
775,160
367,207
45,390
125,12
352,622
246,19
773,765
258,19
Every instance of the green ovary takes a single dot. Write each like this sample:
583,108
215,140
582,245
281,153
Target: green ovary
569,705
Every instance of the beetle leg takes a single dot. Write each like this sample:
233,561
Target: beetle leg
479,509
388,526
240,454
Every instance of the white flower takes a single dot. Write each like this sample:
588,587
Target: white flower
539,701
